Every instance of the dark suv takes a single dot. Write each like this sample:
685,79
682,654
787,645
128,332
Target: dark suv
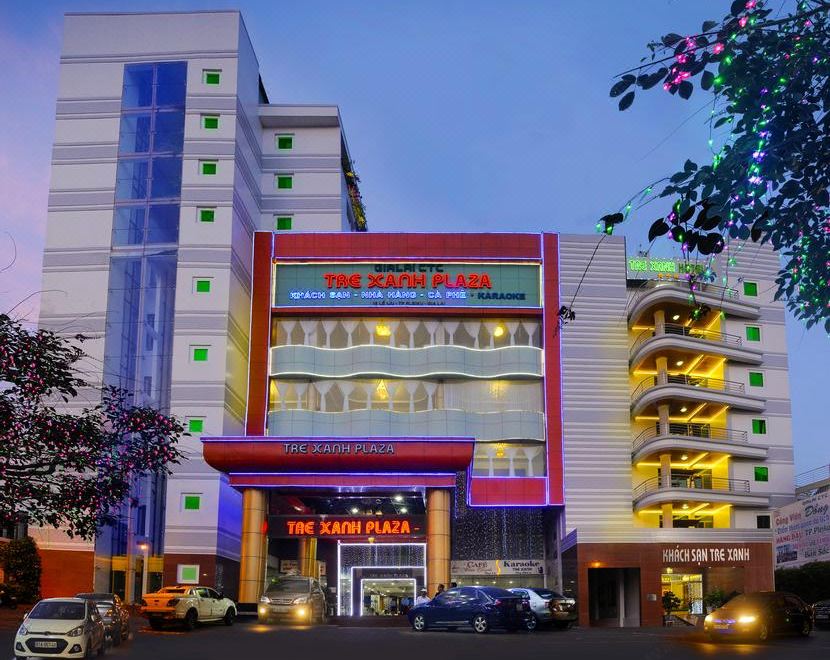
482,608
115,615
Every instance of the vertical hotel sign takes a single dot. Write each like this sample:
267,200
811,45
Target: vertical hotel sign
407,284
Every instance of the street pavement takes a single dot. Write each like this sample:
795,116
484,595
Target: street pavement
250,640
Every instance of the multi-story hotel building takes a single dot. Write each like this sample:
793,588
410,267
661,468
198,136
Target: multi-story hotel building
385,411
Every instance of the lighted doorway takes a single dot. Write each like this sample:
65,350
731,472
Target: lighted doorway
386,596
688,587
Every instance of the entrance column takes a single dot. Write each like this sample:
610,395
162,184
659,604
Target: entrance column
438,538
252,554
307,557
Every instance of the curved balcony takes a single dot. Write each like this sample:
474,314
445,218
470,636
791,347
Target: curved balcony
659,293
386,361
654,491
509,425
658,389
679,341
695,437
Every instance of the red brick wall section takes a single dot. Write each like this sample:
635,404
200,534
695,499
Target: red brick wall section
66,572
753,575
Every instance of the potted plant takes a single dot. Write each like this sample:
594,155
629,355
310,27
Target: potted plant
670,603
714,599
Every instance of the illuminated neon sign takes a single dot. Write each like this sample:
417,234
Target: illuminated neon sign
435,284
345,527
645,267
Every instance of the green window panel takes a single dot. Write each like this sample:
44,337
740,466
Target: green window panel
285,181
753,333
761,473
200,354
207,215
195,425
759,426
192,502
202,286
208,167
211,77
756,379
750,288
284,222
188,573
210,122
285,142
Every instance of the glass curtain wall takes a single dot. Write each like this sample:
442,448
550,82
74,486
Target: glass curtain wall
142,283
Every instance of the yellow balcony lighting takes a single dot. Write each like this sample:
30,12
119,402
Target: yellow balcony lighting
693,364
694,461
713,322
685,506
684,457
711,418
679,363
381,391
499,331
716,367
722,459
383,330
675,317
683,409
642,327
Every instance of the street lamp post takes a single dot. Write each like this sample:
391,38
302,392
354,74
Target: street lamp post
145,549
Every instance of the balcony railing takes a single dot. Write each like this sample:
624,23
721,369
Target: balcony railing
683,331
704,431
689,381
714,290
701,482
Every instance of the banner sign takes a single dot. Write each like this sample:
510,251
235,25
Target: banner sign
802,532
706,554
407,284
492,567
346,527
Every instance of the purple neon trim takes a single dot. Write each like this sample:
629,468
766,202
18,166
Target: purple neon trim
561,465
345,487
507,506
345,474
476,476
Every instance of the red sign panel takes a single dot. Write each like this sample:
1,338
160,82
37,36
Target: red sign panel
347,527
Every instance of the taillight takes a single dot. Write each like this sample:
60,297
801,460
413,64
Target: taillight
172,602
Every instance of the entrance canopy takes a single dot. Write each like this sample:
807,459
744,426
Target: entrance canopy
341,461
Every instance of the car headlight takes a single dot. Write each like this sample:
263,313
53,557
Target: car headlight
23,630
747,618
302,600
76,632
264,599
708,618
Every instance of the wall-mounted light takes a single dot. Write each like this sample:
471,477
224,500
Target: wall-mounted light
684,457
683,409
676,317
499,331
679,363
383,330
354,510
381,391
398,498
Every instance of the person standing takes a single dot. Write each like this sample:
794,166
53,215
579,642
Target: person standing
441,588
422,598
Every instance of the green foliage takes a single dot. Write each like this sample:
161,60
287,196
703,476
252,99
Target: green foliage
811,582
715,598
670,602
69,470
767,74
21,563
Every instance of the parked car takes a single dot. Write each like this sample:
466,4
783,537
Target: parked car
821,614
547,607
187,606
483,608
114,613
759,615
294,598
61,628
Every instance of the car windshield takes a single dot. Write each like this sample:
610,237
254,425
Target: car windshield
547,593
288,585
496,592
750,600
58,609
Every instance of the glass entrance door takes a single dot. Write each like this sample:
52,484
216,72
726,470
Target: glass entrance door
386,596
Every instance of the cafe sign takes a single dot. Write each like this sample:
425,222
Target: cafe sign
496,567
346,527
407,284
704,554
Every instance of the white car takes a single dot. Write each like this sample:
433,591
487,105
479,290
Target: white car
60,628
188,606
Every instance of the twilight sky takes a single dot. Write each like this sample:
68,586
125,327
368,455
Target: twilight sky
464,116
